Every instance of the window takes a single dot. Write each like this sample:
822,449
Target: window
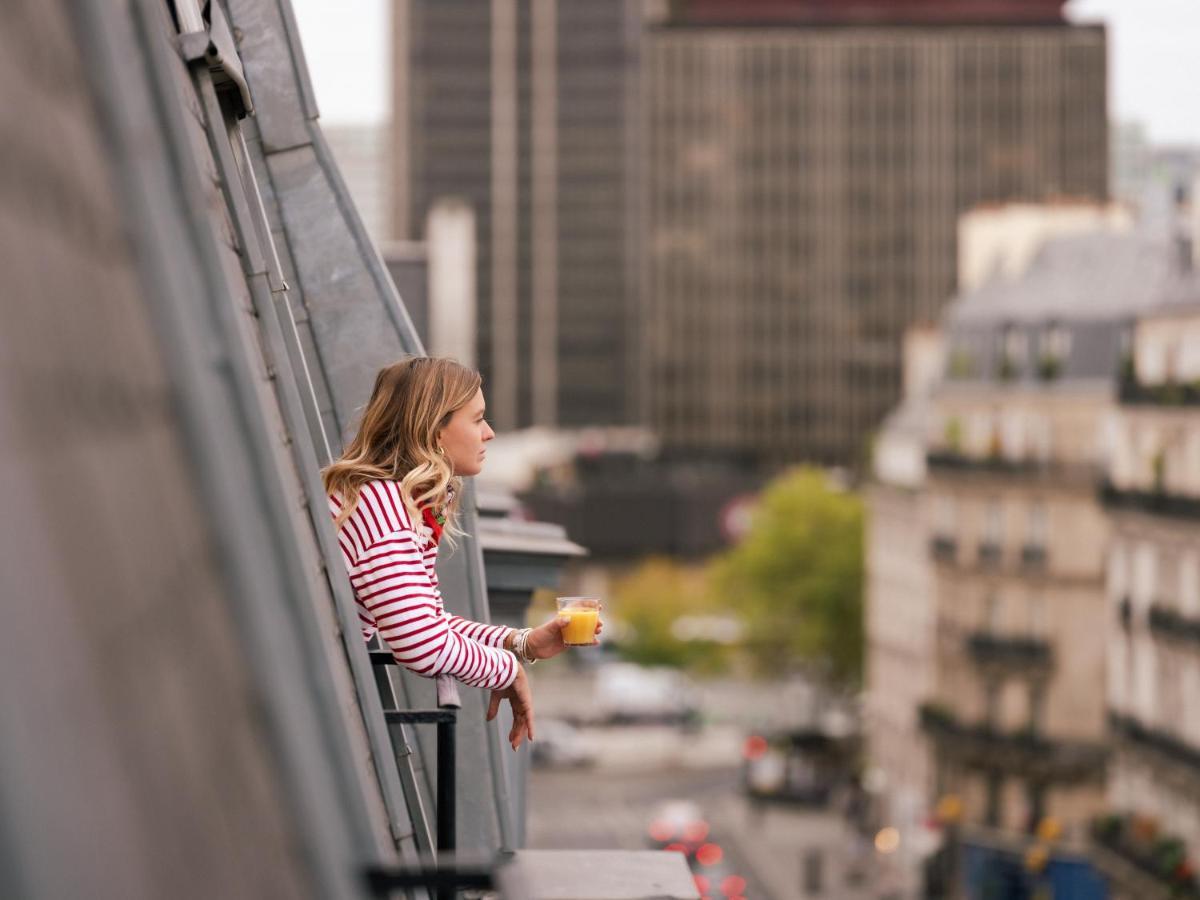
993,612
993,523
1037,615
1037,703
1036,536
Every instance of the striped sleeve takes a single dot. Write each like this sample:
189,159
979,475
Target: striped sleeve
489,635
394,588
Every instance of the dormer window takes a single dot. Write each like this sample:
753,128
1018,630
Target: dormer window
1011,356
1054,348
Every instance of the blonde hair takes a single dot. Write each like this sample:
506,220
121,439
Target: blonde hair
412,401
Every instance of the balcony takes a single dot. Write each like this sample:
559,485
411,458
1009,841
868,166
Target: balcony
1142,861
1133,393
1170,623
990,554
956,463
943,549
954,460
1158,503
1009,652
1028,754
1160,744
1033,557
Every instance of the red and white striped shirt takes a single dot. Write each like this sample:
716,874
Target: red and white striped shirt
391,561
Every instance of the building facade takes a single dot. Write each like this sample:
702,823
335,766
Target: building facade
803,188
900,608
1152,494
1018,536
525,110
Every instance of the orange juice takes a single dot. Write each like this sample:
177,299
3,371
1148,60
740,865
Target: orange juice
584,614
582,627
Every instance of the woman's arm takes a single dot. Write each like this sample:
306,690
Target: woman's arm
392,584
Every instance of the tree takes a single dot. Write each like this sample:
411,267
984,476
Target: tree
796,579
649,602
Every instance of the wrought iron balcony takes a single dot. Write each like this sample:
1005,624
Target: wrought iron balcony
957,460
1171,623
944,549
1132,393
1155,502
990,553
1033,557
1154,741
1018,652
1028,753
1144,862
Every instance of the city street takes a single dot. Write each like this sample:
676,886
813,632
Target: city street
782,852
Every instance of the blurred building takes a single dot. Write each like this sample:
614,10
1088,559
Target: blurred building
363,155
1152,495
803,187
526,110
900,604
1017,533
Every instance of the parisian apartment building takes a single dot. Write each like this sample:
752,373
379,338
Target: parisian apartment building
1046,460
1151,492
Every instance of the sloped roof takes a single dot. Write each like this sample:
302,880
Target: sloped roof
1102,275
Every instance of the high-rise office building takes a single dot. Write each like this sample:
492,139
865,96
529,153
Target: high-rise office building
526,109
803,184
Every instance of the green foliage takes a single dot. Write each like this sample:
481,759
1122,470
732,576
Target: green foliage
954,433
796,580
1049,367
649,601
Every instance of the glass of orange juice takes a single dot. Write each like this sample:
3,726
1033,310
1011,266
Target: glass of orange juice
584,614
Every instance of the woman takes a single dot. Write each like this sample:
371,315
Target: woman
393,494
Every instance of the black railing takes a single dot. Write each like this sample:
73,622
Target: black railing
446,718
1027,753
1174,624
1133,393
1017,651
1033,557
953,459
1158,503
1162,857
944,549
1159,742
990,553
445,878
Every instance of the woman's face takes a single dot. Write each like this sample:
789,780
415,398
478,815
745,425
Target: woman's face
465,436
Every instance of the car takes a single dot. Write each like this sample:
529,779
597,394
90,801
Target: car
560,745
631,694
804,766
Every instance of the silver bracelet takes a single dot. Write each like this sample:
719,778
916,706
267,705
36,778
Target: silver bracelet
520,646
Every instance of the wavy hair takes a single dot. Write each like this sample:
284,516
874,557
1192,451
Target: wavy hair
412,401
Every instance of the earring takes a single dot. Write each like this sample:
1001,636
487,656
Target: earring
442,450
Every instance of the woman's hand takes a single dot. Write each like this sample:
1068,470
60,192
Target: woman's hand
546,640
521,700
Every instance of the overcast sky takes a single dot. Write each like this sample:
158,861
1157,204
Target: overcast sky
1154,51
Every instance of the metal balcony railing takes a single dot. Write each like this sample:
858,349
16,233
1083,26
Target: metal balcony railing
990,554
1033,557
1158,861
1027,753
1171,623
1133,393
944,549
1166,746
1009,651
1156,502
